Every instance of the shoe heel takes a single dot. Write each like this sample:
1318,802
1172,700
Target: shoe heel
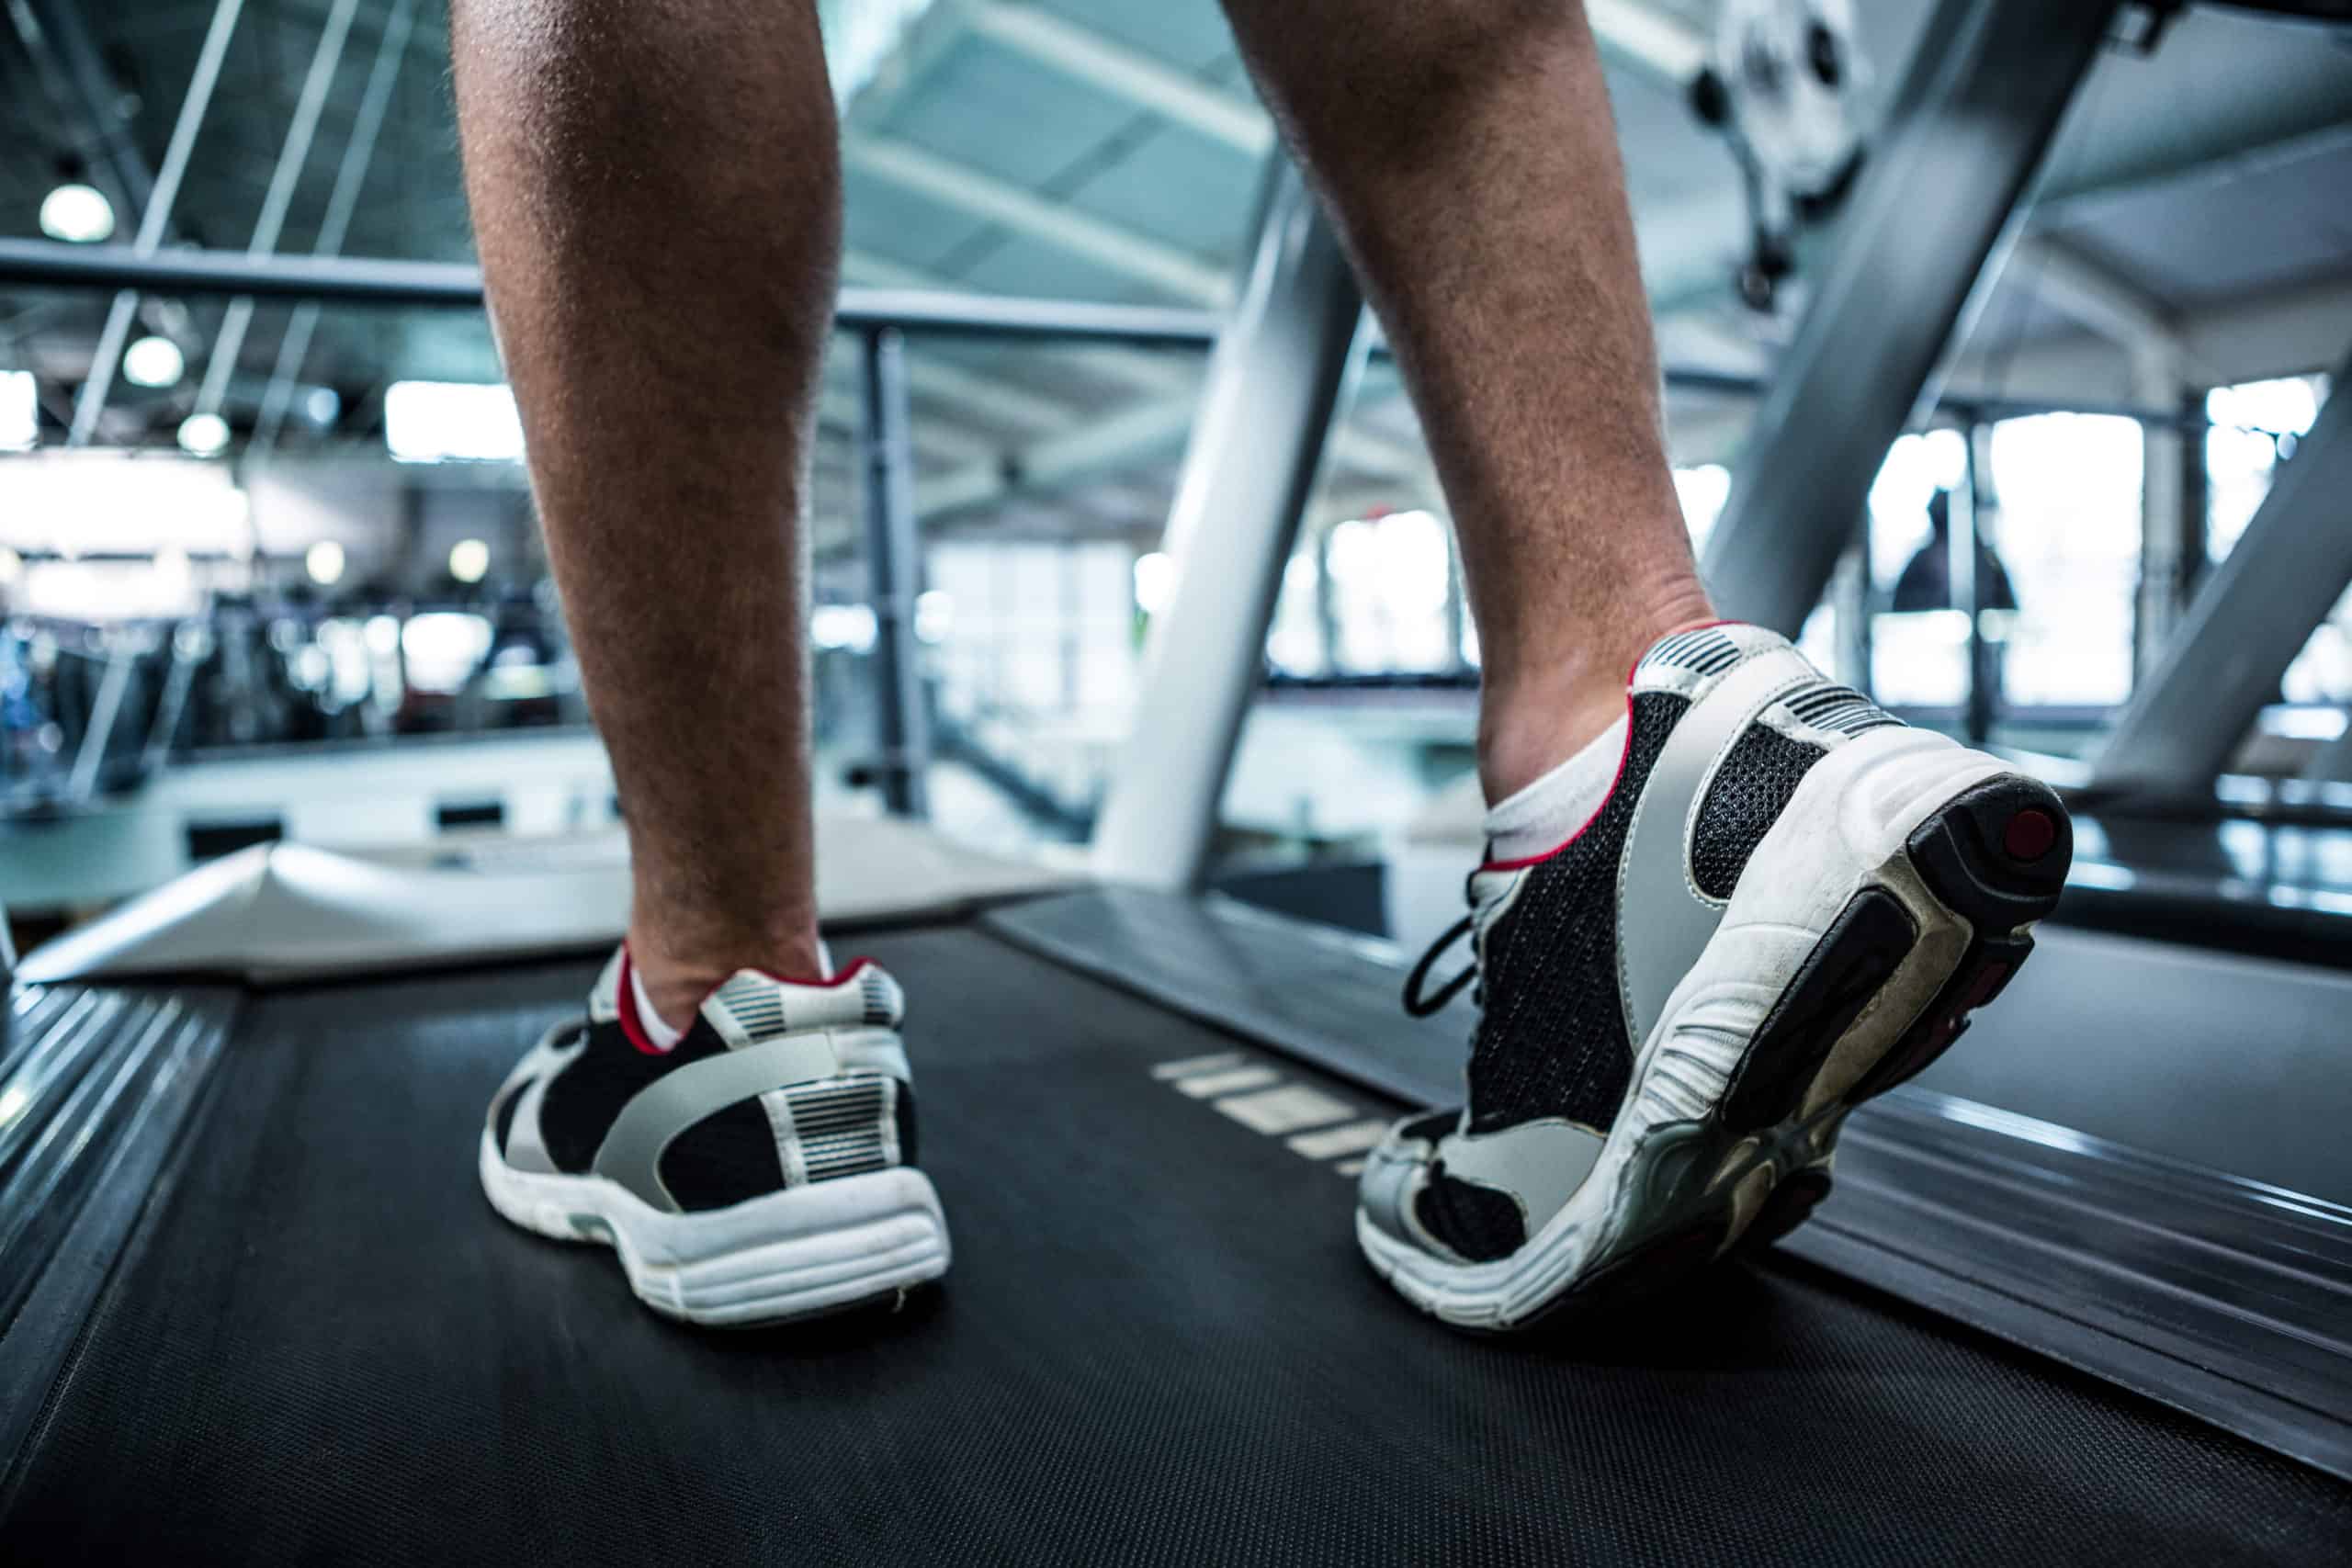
1996,857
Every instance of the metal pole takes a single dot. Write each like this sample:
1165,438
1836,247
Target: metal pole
2245,625
1266,411
1968,584
2171,534
1975,115
293,156
103,711
156,217
350,176
894,564
1852,591
173,701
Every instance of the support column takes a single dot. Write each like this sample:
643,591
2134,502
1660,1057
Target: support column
902,728
1854,596
1257,444
2172,534
1968,529
2245,625
1974,114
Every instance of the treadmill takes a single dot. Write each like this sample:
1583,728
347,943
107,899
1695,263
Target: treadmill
257,1309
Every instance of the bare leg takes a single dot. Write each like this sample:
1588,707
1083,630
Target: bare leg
656,192
1467,152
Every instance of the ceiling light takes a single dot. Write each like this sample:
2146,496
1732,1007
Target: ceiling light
441,422
469,560
77,213
323,561
1155,581
153,362
203,434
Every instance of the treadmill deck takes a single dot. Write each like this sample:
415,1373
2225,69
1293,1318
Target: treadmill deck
1156,1344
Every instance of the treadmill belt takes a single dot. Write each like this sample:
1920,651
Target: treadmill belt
1157,1343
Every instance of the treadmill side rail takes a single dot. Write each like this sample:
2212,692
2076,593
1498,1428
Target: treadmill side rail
2228,1300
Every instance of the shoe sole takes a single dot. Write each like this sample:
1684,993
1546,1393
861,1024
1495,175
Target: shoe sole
803,1252
1992,860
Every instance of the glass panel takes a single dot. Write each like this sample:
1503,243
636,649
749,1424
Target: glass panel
1918,645
2254,425
2257,426
2067,533
1044,477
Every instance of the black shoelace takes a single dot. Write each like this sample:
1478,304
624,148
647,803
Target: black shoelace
1419,1006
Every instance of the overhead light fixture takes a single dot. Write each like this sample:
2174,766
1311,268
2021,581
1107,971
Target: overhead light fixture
469,560
1155,576
76,213
851,627
324,562
153,362
444,422
203,434
20,412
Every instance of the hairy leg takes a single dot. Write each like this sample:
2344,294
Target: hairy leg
656,194
1467,150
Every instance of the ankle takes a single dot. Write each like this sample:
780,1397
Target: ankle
1535,714
674,982
1527,732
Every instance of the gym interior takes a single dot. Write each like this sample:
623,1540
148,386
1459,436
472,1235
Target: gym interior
2000,345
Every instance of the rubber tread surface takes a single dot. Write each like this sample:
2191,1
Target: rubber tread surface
1159,1345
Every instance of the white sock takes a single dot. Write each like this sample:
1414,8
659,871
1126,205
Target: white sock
665,1037
660,1033
1552,810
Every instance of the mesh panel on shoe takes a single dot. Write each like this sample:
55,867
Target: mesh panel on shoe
723,1158
1552,1039
1476,1222
720,1160
1758,776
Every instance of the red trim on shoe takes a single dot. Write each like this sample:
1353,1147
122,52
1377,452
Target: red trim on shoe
625,1005
1623,753
1631,671
634,1027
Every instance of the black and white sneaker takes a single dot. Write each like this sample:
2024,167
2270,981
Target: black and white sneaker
762,1168
1789,902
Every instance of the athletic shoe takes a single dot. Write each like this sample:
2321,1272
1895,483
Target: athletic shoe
1789,902
759,1170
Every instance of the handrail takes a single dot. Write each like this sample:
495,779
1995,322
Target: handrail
364,280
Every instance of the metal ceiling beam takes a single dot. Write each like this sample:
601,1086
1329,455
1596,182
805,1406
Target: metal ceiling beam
1141,79
57,39
1003,402
1974,116
2246,624
293,157
1024,212
1107,445
342,201
2092,295
1650,39
156,217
